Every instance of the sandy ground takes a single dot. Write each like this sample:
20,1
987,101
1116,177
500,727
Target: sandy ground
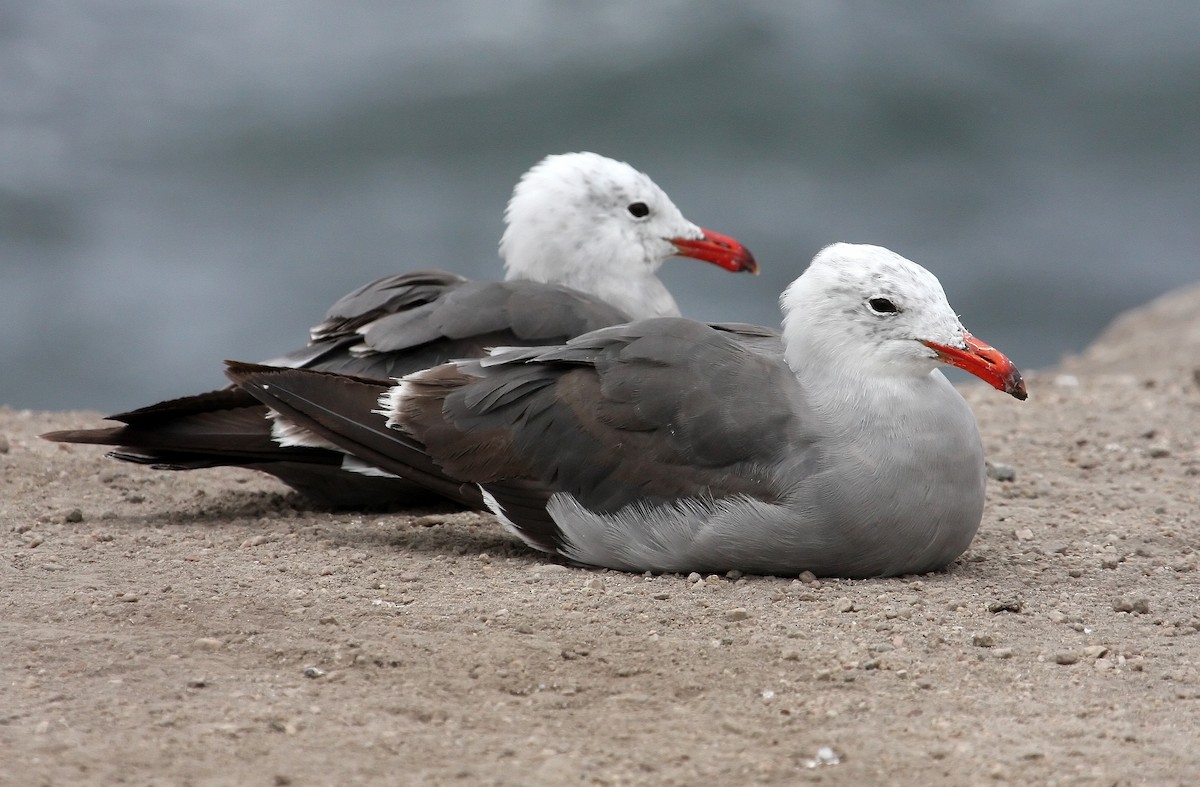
209,628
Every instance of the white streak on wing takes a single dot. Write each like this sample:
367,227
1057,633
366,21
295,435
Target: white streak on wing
361,350
391,400
352,464
289,435
494,506
492,353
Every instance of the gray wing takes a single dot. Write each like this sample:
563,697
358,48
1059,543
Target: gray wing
652,411
404,323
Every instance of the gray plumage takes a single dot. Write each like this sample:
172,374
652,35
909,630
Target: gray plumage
668,445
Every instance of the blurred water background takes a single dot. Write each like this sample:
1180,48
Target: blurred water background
183,182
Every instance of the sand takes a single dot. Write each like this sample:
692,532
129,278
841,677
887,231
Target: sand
212,628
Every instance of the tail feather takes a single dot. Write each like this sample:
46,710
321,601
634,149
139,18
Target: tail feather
341,409
209,430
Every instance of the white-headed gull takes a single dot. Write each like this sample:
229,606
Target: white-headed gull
670,445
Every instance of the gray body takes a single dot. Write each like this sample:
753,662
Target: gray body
835,447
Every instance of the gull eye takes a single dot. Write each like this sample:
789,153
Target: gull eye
882,306
639,210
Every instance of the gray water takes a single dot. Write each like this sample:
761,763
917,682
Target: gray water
183,182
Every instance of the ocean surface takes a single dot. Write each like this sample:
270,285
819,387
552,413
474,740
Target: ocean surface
183,182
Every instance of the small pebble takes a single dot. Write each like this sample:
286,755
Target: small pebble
694,577
313,672
845,605
329,620
1001,472
825,756
4,446
1006,605
983,640
736,614
1024,534
74,515
1140,605
807,577
1066,657
1003,653
208,643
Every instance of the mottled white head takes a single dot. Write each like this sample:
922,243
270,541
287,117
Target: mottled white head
600,226
867,309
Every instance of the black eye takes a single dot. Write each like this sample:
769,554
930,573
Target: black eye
639,210
882,306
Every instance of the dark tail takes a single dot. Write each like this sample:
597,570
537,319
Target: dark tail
341,409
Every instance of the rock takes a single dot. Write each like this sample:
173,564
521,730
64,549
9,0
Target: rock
1001,472
208,643
74,515
983,640
736,614
1066,657
825,756
1005,605
313,672
4,446
1140,605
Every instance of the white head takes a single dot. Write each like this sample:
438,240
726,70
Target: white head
600,226
867,308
